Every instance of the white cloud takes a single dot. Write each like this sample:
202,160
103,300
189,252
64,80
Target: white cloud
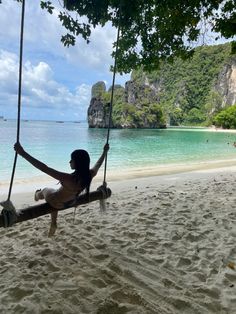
97,54
43,31
39,89
8,72
10,19
56,80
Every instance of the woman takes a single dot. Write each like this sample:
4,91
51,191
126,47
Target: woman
72,184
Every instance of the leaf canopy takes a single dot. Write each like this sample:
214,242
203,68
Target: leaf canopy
152,30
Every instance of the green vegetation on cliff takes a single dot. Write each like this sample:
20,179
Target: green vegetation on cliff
185,89
226,119
98,89
148,116
144,114
188,92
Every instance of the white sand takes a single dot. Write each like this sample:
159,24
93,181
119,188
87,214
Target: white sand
166,244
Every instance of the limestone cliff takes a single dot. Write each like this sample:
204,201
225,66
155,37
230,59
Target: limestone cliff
189,93
130,109
97,116
226,83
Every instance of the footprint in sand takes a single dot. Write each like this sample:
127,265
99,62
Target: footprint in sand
180,304
19,292
52,267
170,284
126,296
99,283
100,256
201,276
100,246
183,261
213,293
109,306
193,237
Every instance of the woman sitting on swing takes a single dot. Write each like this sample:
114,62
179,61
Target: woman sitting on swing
72,184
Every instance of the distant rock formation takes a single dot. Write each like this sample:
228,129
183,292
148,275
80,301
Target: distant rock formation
97,116
133,116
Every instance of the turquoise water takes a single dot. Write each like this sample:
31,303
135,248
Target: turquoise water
52,143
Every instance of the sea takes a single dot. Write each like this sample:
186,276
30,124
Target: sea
53,141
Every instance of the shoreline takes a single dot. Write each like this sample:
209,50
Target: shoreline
33,183
183,127
23,191
207,129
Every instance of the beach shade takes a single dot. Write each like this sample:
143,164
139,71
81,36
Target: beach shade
35,211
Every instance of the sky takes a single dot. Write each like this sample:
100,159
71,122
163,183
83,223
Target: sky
56,81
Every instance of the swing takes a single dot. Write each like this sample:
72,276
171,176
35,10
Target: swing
9,215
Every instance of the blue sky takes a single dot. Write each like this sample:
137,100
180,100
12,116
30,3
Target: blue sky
57,80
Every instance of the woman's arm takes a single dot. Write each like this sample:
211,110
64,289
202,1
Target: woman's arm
100,160
60,176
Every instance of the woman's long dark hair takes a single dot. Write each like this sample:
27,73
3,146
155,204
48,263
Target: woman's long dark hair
82,168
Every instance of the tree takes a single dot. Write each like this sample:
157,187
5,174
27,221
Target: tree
152,30
226,118
195,117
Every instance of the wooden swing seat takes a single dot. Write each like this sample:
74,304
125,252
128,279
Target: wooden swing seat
36,211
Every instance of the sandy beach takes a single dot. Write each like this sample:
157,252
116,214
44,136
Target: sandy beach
165,244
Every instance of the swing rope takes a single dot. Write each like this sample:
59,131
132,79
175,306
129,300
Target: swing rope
9,213
19,96
111,101
103,187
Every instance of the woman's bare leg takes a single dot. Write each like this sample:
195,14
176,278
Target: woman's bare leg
53,226
45,194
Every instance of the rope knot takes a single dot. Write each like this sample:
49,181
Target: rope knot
103,189
9,213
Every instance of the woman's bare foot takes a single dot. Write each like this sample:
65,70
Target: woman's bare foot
52,229
38,195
